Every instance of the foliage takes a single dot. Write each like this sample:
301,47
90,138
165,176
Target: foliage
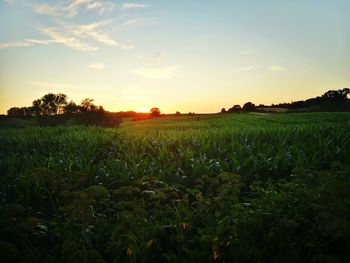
155,112
235,108
50,104
222,188
248,107
53,109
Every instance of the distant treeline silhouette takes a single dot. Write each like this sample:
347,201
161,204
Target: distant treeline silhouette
54,109
332,100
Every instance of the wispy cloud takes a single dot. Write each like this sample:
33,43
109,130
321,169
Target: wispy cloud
24,43
276,68
157,72
98,66
46,9
71,8
127,6
243,69
94,30
73,36
81,37
69,41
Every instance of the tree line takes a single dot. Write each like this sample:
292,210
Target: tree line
332,100
54,109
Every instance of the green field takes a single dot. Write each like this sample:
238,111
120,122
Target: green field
203,188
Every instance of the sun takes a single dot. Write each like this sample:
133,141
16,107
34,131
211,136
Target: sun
143,110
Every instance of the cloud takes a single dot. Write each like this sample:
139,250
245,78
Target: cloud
94,31
24,43
276,68
46,9
69,41
73,36
127,6
77,36
98,66
157,72
103,38
72,8
243,69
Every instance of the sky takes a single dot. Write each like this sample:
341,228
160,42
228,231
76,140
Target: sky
178,55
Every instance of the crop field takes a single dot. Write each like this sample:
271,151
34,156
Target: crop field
202,188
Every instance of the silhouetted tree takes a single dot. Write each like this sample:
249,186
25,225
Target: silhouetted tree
177,113
337,94
223,110
155,112
20,111
50,104
87,105
89,113
248,107
71,108
235,108
37,107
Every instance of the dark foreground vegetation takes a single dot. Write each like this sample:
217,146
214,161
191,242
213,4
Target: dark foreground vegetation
221,188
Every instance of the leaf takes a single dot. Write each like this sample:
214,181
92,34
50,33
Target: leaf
129,252
149,243
215,252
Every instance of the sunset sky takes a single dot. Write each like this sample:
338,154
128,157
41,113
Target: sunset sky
186,55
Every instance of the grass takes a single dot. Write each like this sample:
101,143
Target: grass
203,188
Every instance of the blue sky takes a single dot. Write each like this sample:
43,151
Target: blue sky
181,55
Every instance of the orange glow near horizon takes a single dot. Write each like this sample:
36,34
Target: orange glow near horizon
142,110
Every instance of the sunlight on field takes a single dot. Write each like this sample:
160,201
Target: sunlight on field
142,110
